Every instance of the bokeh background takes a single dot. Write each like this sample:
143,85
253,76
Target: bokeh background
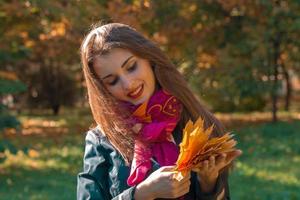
241,57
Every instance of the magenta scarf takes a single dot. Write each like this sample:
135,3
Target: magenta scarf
158,116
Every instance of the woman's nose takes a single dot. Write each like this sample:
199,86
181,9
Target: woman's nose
127,83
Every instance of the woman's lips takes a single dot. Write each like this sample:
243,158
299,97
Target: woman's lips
136,93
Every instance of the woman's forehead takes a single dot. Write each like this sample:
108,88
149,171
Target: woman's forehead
111,61
114,56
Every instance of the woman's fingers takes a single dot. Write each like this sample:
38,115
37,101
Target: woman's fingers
183,190
196,169
234,154
205,165
166,168
181,187
211,161
217,161
226,159
164,184
221,160
185,178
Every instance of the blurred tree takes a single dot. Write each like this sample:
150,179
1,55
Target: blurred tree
234,53
9,85
59,85
275,28
40,42
242,41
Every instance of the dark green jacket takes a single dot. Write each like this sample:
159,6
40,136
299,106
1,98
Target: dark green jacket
105,174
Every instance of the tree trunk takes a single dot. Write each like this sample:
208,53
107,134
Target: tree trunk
276,54
276,45
55,109
288,86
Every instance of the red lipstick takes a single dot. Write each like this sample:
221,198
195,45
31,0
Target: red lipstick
136,93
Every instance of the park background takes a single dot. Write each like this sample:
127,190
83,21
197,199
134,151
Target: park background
241,57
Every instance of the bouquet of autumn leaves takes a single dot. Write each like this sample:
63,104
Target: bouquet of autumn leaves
197,146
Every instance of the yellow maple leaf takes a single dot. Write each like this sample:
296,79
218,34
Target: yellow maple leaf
197,146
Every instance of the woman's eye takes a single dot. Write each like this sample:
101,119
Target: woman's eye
113,82
132,67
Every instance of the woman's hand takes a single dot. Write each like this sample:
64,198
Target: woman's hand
137,127
208,170
162,184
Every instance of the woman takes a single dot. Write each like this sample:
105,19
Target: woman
132,151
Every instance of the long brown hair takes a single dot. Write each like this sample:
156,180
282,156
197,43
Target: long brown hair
105,108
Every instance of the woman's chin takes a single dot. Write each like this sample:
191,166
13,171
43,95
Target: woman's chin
139,101
143,98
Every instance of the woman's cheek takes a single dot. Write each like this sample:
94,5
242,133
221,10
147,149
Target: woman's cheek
116,91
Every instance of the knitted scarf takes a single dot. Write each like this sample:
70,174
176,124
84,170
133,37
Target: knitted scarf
158,116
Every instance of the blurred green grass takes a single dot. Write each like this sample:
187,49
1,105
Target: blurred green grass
49,156
269,166
50,174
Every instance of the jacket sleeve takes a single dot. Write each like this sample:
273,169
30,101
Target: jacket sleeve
92,183
220,192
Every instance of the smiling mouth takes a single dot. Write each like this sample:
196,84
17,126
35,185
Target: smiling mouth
137,92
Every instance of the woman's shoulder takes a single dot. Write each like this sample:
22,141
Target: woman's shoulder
96,137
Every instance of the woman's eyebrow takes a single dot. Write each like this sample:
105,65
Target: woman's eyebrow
124,63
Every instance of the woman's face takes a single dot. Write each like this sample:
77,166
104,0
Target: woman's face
126,76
